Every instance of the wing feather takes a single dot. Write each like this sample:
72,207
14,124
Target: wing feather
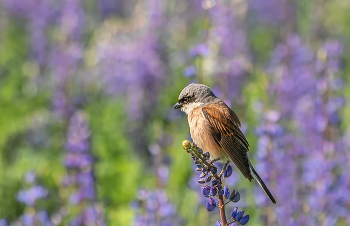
227,134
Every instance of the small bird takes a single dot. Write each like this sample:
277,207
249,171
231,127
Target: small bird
215,128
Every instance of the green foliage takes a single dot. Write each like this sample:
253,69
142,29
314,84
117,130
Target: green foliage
120,170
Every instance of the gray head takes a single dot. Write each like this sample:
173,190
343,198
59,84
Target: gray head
195,94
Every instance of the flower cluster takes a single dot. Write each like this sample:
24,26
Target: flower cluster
29,197
213,187
79,162
154,208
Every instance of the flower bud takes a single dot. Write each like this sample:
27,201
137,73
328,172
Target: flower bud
201,181
186,144
208,179
200,166
205,169
202,175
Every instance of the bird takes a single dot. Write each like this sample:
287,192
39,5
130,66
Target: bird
215,128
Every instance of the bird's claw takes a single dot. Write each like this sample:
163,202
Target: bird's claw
223,169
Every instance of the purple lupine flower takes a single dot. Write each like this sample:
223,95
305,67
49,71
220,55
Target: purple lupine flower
216,184
244,220
228,171
205,191
28,219
301,83
233,59
29,196
234,212
3,222
65,54
30,177
39,14
156,209
271,12
210,207
112,7
189,71
226,192
79,162
200,50
132,66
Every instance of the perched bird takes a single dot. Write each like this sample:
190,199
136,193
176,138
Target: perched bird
215,128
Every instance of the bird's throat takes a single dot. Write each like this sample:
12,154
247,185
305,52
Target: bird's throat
188,108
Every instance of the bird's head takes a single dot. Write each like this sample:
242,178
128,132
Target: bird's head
193,96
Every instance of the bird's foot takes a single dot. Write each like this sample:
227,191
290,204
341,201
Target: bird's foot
223,169
214,160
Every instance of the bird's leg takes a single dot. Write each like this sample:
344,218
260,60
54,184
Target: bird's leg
214,160
223,169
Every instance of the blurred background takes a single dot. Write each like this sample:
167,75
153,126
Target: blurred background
88,135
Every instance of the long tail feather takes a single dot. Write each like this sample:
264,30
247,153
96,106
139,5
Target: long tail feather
262,184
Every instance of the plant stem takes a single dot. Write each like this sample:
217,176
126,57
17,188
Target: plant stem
222,210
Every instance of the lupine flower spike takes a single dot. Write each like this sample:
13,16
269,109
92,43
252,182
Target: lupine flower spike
213,188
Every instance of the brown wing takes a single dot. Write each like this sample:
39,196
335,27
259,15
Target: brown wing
225,130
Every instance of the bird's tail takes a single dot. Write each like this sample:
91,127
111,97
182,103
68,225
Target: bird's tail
262,184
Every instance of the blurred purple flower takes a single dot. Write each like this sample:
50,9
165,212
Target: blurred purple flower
272,12
200,50
79,159
28,219
189,71
30,177
155,209
3,222
29,196
307,112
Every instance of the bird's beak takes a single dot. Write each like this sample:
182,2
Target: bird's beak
177,106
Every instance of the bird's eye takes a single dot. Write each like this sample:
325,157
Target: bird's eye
185,99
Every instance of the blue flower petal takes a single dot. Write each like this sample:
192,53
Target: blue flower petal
234,212
239,215
228,172
205,191
244,220
236,197
213,191
212,201
226,192
209,207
